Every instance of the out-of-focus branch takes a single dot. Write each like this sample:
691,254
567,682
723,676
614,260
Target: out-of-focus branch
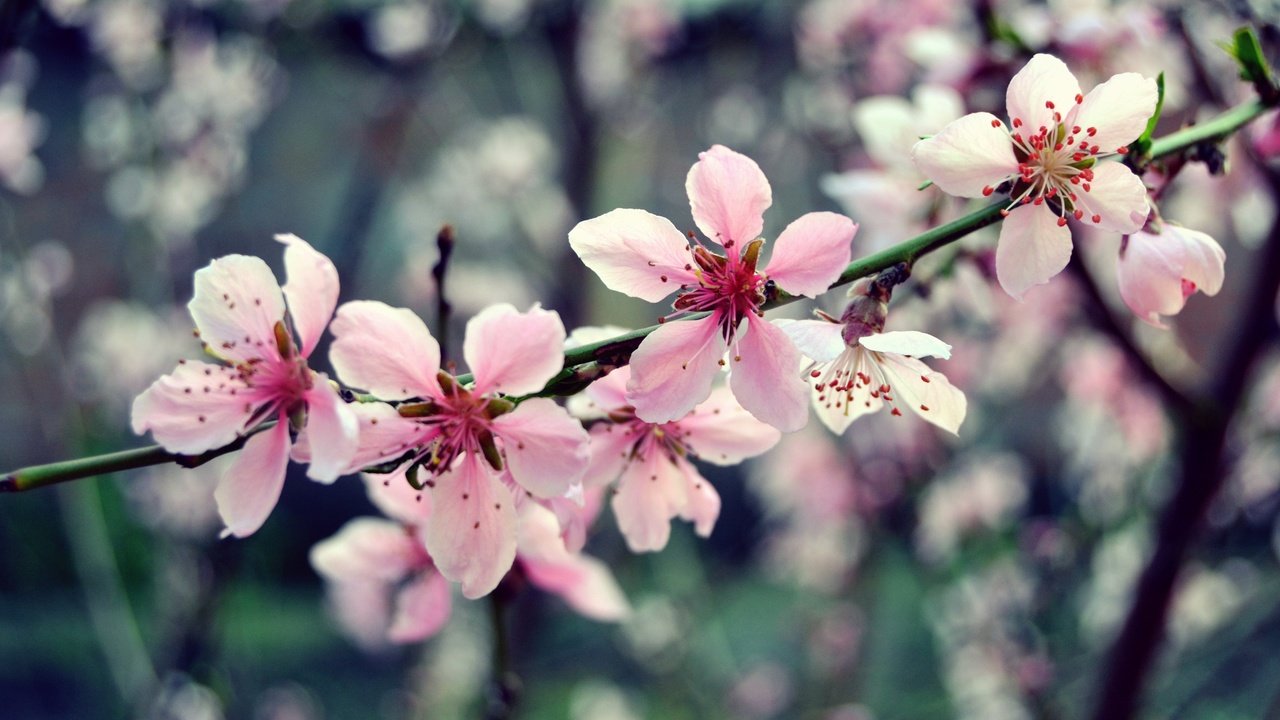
444,244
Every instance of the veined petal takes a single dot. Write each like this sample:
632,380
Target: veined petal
383,435
650,493
728,194
512,352
927,392
197,407
384,350
1042,87
911,343
838,410
332,429
311,289
673,369
421,609
721,432
1032,248
546,449
236,305
634,252
392,494
368,549
703,506
816,339
472,533
969,155
1116,197
250,488
610,447
766,381
1119,108
811,253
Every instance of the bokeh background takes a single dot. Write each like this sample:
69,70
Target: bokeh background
891,573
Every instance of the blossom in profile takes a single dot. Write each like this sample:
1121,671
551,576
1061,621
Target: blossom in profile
1049,159
1159,268
645,256
456,439
248,322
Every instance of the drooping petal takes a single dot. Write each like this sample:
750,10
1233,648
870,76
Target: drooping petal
673,369
1158,272
384,350
1042,87
811,253
634,252
250,488
1119,109
311,289
583,582
650,493
815,339
236,305
968,156
513,352
472,533
911,343
1116,197
545,448
728,194
332,430
369,549
392,494
610,447
1032,248
721,432
421,609
195,408
766,381
703,506
927,392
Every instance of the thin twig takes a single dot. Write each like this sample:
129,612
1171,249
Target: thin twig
444,244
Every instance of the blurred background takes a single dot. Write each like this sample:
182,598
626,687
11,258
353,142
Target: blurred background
889,573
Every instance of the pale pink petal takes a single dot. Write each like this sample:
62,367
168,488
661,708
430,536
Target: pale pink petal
926,392
766,381
720,431
610,447
907,342
1119,109
332,430
512,352
382,435
311,289
1158,272
538,535
363,611
422,609
674,367
236,305
595,593
249,489
369,549
650,493
635,252
703,507
545,448
610,392
1042,82
392,494
815,339
472,533
1032,248
195,408
811,253
968,156
1116,197
728,194
384,350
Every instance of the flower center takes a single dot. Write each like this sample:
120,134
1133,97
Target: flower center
729,287
459,422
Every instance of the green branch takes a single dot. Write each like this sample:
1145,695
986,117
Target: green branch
588,362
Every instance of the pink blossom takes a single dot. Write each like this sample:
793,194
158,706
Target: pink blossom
650,461
462,437
1050,157
645,256
1158,271
240,315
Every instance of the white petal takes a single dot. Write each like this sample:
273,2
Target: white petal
816,339
1044,79
926,392
1119,109
907,342
236,305
1032,248
1116,197
968,156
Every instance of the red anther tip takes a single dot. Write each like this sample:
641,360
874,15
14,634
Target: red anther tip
1079,98
1096,218
986,191
1048,104
1122,149
995,123
1062,221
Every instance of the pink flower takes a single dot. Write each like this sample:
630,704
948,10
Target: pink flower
1050,158
656,481
240,315
462,437
645,256
1158,271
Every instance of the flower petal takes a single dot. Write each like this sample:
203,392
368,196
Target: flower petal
368,549
907,342
545,448
513,352
472,533
1157,272
1032,248
383,435
332,430
838,409
969,155
766,381
422,609
815,339
703,506
384,350
650,493
1119,109
610,448
925,391
728,194
250,488
811,253
610,392
585,583
311,290
197,407
673,369
394,497
634,252
1116,197
236,305
1044,80
721,432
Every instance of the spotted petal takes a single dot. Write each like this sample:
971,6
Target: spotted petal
236,305
472,534
721,432
545,448
650,493
1119,109
197,407
1116,197
673,369
766,381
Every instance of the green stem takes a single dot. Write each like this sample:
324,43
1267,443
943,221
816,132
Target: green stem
617,351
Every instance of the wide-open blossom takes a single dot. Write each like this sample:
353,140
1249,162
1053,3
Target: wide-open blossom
645,256
1049,155
650,461
459,438
241,317
1158,271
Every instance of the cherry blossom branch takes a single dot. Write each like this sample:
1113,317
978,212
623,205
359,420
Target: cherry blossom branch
444,243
